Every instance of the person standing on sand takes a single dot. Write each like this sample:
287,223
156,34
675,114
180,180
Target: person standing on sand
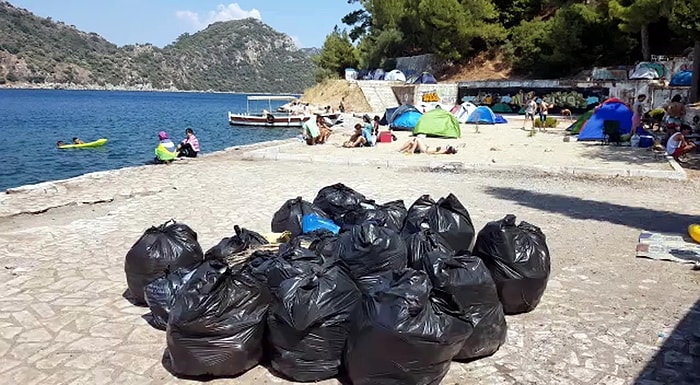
341,106
530,109
637,113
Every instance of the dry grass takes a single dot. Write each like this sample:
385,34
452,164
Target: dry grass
483,67
330,92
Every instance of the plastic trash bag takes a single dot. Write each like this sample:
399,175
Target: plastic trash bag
312,222
518,258
289,216
447,217
368,250
404,333
243,240
391,214
309,322
421,243
160,295
159,251
336,200
216,326
468,281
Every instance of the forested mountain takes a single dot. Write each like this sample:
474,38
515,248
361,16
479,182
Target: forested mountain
539,38
242,55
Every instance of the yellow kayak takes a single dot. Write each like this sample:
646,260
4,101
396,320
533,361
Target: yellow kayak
97,143
694,232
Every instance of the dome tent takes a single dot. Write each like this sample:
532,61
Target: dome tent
438,123
395,75
404,117
682,78
464,110
482,115
612,109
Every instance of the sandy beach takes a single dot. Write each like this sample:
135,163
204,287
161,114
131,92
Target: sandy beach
607,318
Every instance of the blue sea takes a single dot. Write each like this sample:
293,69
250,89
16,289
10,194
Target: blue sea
32,121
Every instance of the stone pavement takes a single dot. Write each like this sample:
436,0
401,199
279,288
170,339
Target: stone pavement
602,320
493,148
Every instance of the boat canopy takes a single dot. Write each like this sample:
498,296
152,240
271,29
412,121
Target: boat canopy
272,97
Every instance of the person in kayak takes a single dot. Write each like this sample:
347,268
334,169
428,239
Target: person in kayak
77,140
166,150
189,147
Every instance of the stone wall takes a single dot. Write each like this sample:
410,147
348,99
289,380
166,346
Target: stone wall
445,93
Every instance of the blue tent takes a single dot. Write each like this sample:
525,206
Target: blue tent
682,78
404,117
482,115
612,109
423,78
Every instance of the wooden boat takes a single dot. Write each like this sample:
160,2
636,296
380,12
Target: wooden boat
267,118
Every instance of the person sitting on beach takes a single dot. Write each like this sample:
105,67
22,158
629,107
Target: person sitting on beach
677,144
166,150
324,131
361,138
675,111
368,126
415,146
189,147
77,140
375,125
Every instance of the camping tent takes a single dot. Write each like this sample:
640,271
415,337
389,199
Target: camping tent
576,126
612,109
647,70
378,74
502,108
482,115
399,118
350,74
438,122
682,78
395,75
464,110
423,78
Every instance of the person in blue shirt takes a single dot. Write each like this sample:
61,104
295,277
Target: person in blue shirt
361,138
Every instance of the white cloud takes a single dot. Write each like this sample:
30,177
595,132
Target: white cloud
223,12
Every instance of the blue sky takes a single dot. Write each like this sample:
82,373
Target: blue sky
161,21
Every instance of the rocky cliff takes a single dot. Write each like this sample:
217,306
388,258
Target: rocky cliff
240,56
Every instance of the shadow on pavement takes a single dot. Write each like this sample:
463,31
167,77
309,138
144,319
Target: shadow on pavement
621,154
678,360
579,208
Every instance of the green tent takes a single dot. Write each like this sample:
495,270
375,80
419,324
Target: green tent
438,123
502,108
576,127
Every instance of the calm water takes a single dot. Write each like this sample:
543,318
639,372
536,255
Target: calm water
31,122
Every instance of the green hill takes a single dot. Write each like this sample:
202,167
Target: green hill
241,56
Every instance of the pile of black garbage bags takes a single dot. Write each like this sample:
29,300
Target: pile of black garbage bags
391,298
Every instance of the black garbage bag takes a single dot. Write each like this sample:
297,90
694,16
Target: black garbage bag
159,251
316,240
242,240
160,295
447,217
309,322
288,217
404,333
467,280
368,250
338,199
421,243
216,326
390,214
518,258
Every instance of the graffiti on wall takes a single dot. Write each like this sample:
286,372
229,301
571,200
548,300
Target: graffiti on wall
512,100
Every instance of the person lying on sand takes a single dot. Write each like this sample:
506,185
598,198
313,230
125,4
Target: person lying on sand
415,146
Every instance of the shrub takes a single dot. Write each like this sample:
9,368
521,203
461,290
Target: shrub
549,123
